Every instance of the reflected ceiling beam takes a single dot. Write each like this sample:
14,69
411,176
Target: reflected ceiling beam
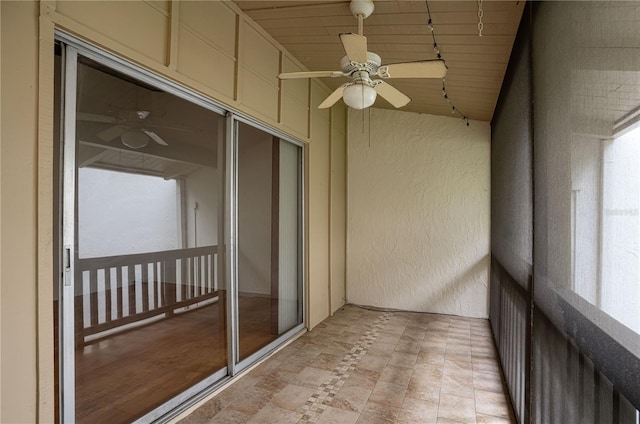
176,170
89,154
179,151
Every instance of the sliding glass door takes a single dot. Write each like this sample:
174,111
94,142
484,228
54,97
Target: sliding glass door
168,203
144,186
269,290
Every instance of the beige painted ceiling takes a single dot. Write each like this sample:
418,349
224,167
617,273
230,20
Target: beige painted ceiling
398,32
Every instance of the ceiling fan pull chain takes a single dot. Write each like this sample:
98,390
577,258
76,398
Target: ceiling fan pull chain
480,16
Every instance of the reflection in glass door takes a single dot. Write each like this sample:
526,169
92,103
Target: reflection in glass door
149,318
145,320
269,264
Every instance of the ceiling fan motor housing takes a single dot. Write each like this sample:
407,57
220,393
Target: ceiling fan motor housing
372,65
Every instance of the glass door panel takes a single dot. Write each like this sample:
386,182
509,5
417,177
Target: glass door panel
269,238
149,308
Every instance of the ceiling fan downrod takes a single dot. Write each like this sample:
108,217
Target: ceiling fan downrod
361,10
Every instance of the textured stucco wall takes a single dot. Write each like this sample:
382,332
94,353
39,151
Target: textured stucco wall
418,212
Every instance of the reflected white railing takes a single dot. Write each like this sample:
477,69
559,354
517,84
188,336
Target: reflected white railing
116,293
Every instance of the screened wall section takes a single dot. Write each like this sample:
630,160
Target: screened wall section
565,295
180,245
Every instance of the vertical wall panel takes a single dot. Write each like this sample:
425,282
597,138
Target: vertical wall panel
295,99
137,25
207,45
338,207
319,188
261,64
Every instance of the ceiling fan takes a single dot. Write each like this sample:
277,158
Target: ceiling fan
361,65
130,125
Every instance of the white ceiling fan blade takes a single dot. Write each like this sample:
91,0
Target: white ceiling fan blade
356,47
421,69
311,74
155,137
394,96
333,97
112,132
93,117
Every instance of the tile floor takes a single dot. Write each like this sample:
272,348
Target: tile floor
367,367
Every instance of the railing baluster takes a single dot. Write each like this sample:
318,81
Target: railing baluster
206,286
184,262
131,288
144,286
119,301
107,294
93,296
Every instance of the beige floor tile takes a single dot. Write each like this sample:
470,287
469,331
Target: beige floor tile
388,394
292,397
271,414
426,390
426,370
327,361
402,359
488,381
364,378
488,419
230,416
273,382
386,337
374,413
491,403
311,377
338,416
396,375
457,385
430,356
382,349
456,408
351,398
422,368
251,401
373,362
417,411
408,346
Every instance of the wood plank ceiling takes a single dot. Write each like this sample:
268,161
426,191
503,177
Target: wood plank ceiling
398,32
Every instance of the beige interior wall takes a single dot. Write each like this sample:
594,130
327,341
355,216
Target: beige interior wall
19,49
0,208
208,47
418,213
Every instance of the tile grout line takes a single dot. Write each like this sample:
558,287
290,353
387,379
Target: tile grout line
316,404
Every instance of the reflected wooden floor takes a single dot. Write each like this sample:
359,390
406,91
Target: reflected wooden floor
126,375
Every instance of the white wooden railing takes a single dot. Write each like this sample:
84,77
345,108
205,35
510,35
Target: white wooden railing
118,292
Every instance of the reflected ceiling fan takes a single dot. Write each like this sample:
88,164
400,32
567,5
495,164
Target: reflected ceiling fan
361,65
130,125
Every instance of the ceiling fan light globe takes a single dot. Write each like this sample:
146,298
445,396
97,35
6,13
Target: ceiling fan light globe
359,96
134,139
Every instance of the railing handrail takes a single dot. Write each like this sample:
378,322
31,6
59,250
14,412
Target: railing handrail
86,264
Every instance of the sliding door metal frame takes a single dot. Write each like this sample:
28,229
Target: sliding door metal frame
72,48
67,342
231,233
